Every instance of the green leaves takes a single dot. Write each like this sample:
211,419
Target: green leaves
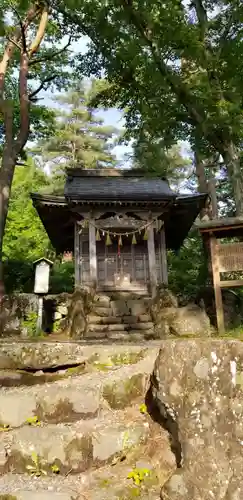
25,237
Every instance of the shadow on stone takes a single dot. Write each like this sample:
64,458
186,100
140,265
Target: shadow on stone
161,416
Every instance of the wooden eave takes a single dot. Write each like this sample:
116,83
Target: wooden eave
58,216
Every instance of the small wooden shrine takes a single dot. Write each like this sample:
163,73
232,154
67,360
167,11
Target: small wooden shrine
119,225
224,237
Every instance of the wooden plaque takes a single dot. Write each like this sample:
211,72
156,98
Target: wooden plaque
230,257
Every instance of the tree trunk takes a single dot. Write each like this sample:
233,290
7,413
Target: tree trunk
6,178
231,158
202,185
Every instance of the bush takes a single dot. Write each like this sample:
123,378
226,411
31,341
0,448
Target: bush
187,269
62,278
19,277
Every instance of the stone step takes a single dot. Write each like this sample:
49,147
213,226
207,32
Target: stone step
102,311
124,336
145,334
109,320
72,448
125,376
103,320
120,327
141,326
44,355
107,328
103,483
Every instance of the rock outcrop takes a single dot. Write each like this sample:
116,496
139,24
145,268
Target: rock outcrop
14,311
197,388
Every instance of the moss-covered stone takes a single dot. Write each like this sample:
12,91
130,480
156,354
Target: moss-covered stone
128,358
63,411
121,393
79,453
8,497
81,305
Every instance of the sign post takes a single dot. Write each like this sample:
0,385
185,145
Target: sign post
225,258
42,275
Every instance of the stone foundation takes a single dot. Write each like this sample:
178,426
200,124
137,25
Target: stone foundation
115,316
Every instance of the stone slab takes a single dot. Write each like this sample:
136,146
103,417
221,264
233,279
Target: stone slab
102,300
107,328
120,308
40,355
144,318
137,307
76,448
141,326
129,319
102,311
80,397
103,320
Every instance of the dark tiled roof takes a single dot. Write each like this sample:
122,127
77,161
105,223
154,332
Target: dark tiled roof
117,188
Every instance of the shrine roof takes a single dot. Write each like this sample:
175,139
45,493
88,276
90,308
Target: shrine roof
114,185
58,217
222,227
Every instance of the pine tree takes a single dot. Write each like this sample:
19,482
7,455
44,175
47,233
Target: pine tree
80,139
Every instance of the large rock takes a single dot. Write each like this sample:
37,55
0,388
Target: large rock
81,305
200,398
15,311
190,320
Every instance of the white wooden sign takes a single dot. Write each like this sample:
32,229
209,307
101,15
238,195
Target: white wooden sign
42,274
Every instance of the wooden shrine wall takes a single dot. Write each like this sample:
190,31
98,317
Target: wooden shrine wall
133,259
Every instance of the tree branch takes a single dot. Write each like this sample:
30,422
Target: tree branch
40,32
201,16
49,57
9,49
15,43
24,105
178,88
41,86
22,28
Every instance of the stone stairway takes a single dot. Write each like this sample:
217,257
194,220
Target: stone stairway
80,430
121,316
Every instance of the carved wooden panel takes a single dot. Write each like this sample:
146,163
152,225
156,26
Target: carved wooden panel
230,257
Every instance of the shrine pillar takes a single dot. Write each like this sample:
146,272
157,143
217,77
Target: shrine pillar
92,253
152,259
163,257
77,255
